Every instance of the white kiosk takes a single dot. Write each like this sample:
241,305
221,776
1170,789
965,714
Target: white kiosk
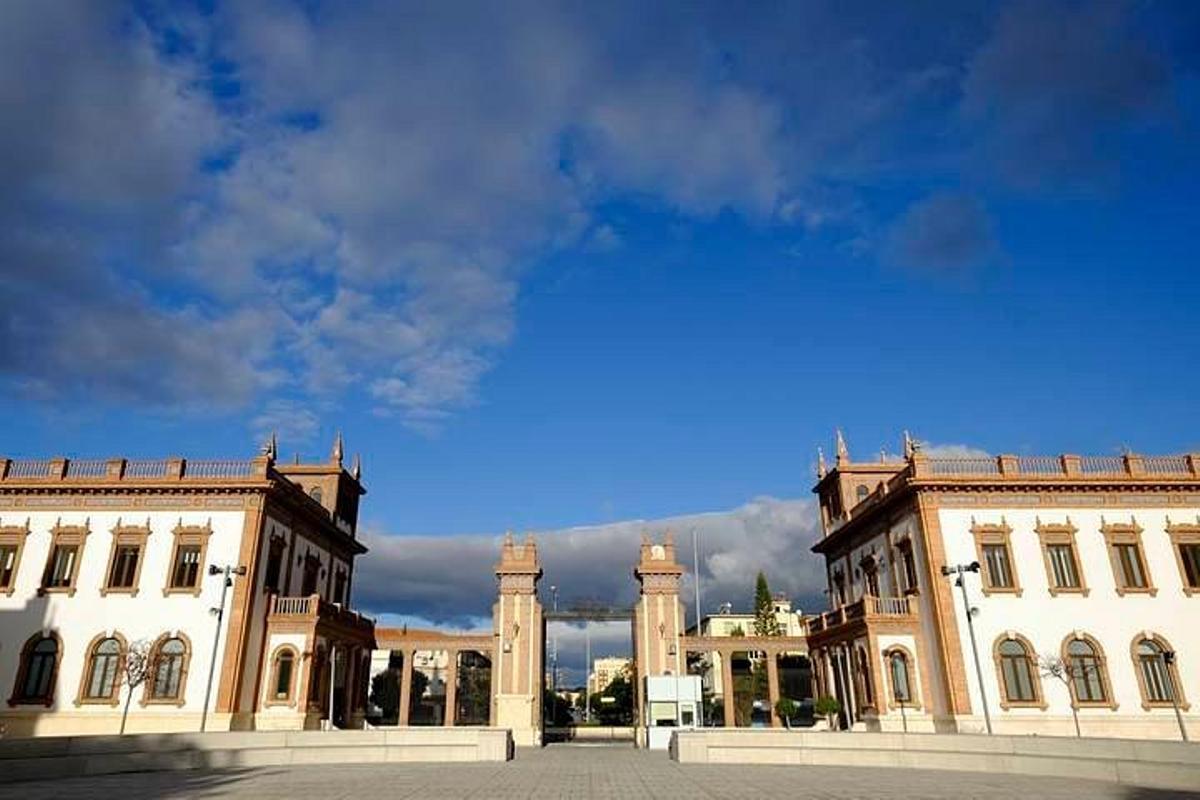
672,702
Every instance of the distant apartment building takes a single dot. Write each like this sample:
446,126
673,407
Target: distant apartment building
1088,566
606,670
99,557
727,623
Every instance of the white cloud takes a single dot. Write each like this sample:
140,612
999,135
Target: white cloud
953,451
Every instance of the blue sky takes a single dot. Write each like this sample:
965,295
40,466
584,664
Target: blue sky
569,266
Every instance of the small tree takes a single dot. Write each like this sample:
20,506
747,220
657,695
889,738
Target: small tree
135,669
786,708
828,707
765,622
1064,671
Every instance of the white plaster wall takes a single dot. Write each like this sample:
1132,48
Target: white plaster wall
146,616
1045,620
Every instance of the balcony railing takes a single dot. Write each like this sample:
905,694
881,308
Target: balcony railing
868,607
313,609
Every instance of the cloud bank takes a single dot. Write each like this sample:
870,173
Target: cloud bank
313,201
448,580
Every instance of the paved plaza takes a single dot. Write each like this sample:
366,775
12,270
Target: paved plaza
575,771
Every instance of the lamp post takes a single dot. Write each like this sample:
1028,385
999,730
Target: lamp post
554,646
1168,658
219,612
960,570
696,576
587,673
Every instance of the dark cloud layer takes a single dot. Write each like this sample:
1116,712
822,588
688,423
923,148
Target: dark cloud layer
1057,86
449,580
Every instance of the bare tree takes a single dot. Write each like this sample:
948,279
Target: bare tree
135,669
1064,670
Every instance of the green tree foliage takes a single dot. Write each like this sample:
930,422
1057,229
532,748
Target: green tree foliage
618,712
787,709
765,623
385,694
827,707
557,709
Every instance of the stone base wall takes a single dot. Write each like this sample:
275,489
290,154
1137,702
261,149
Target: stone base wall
516,713
19,724
1161,726
1164,765
30,759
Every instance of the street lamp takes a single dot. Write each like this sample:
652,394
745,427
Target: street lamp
1168,658
219,613
960,570
554,646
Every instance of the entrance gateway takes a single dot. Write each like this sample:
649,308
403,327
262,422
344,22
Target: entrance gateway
666,697
423,677
519,624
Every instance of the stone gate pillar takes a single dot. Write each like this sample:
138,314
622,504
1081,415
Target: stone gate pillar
517,625
657,618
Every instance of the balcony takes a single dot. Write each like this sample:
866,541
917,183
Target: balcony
311,612
863,612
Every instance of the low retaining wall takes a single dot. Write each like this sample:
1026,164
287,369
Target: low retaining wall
1157,764
590,733
73,756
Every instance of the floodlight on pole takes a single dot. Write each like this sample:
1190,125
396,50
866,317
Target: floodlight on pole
960,570
219,612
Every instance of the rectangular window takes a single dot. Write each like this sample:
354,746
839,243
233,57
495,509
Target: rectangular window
8,565
999,573
60,570
186,572
1129,561
62,564
910,568
1189,554
339,587
1062,566
124,567
993,550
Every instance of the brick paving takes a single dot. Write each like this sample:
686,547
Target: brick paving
576,771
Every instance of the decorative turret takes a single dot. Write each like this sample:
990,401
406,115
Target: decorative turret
843,452
909,447
357,471
821,470
335,456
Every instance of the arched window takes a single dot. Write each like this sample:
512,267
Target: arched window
861,493
901,678
103,670
315,493
38,671
283,675
1086,669
1158,675
1015,664
168,673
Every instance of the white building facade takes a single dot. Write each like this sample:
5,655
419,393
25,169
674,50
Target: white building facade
99,558
1084,597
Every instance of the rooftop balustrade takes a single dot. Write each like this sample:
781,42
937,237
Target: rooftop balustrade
130,469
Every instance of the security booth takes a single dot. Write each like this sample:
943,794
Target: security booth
672,703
